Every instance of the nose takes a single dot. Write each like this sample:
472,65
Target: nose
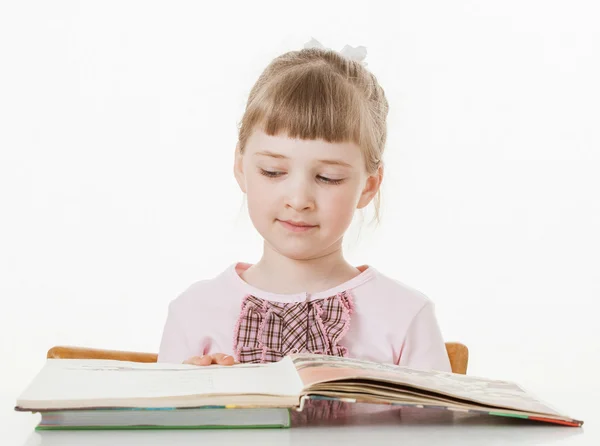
299,195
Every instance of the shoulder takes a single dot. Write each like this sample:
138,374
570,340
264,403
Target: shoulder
206,293
391,293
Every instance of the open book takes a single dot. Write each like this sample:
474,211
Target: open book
91,393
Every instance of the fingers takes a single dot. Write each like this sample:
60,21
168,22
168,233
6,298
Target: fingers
223,359
204,360
199,360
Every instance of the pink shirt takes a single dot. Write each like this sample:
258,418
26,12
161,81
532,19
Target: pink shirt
389,323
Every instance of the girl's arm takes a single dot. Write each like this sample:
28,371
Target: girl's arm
424,347
174,345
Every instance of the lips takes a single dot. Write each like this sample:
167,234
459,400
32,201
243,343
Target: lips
298,223
296,226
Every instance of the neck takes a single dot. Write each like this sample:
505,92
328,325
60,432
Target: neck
277,273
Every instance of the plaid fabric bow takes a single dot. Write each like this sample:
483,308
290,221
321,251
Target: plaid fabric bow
267,331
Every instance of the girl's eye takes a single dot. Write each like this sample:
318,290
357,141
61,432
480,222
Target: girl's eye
329,180
271,173
277,174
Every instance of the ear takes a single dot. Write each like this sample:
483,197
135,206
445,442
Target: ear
238,168
371,187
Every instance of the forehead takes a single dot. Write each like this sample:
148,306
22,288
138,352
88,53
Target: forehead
300,149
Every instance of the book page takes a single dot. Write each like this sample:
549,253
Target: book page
314,369
81,379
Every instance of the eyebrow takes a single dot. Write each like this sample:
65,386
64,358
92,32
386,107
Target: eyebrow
280,156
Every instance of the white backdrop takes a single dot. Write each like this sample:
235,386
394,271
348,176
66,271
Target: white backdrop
117,131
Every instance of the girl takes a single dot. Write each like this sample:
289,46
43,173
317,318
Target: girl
309,154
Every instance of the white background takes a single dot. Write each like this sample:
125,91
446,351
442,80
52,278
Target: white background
118,125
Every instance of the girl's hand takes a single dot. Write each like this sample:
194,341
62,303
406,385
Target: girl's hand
216,358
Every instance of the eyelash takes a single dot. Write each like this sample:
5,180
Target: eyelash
277,174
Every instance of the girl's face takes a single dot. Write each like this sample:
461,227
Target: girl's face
302,194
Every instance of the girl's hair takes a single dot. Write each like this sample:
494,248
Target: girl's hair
319,94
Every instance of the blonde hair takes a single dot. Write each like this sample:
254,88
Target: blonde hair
319,94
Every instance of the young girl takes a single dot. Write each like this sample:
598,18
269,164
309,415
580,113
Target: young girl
309,154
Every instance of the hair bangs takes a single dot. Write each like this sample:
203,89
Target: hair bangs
309,104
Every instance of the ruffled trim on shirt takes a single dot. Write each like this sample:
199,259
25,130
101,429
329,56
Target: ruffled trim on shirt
366,273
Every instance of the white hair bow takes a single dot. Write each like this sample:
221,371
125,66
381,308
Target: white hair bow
358,53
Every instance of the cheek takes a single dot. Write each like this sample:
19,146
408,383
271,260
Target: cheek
259,195
340,205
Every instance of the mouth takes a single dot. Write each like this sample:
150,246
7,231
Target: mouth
296,226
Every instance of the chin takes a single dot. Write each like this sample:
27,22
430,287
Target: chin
298,250
297,247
